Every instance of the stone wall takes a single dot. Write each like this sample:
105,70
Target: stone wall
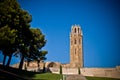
101,72
54,70
97,72
54,67
64,70
70,70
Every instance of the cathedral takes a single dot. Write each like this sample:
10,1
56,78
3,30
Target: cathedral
76,46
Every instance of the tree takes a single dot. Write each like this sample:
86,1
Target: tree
7,39
24,36
16,19
33,50
60,69
79,70
38,42
27,41
8,11
7,35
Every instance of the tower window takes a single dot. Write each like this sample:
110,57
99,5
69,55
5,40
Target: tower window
75,51
75,41
79,41
75,30
71,42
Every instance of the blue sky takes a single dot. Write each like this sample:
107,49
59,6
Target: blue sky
99,20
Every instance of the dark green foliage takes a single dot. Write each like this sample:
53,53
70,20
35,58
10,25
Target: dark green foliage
9,12
79,71
16,34
16,19
60,69
35,46
7,37
33,51
7,40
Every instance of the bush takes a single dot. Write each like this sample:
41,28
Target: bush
60,69
79,71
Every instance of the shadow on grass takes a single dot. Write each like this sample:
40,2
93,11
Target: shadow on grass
15,74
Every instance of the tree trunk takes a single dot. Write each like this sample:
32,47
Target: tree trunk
9,60
4,59
21,62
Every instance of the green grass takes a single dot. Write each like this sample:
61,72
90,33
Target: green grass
100,78
47,76
36,75
12,72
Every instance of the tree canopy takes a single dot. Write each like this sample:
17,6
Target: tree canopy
16,34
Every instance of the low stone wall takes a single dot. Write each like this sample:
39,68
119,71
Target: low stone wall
64,70
69,70
100,72
54,70
97,72
34,69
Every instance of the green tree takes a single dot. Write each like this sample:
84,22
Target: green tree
15,18
38,42
33,50
6,19
7,40
27,41
60,69
79,70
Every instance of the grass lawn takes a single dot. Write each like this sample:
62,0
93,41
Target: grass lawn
100,78
8,73
47,76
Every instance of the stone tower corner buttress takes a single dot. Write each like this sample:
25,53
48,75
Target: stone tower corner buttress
76,49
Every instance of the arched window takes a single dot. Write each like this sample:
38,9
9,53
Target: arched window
79,41
71,42
75,30
75,51
78,30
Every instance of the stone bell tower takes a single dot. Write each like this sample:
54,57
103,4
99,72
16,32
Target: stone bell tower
76,49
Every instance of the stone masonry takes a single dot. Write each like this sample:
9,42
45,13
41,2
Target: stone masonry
76,50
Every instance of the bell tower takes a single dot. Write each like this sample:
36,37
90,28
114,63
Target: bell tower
76,50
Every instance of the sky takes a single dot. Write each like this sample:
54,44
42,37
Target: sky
99,20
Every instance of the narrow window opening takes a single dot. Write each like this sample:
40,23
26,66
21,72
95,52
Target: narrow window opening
71,42
78,30
75,30
79,41
75,41
75,51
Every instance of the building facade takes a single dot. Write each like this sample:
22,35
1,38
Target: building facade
76,46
